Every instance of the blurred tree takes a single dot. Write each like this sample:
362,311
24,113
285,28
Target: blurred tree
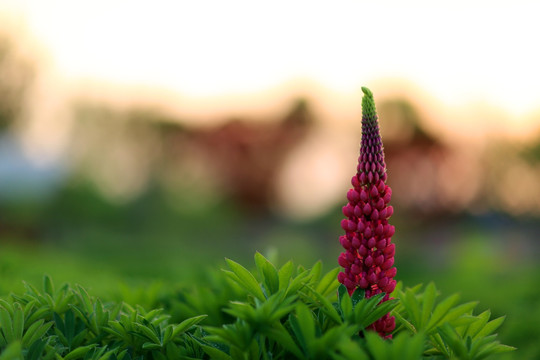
123,151
16,76
117,150
246,155
402,124
512,175
414,156
531,153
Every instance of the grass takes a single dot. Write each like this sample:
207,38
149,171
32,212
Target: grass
119,252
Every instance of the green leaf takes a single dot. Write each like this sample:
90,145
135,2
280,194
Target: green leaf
295,326
35,350
35,332
495,348
240,310
453,340
500,348
59,323
116,329
186,325
439,344
70,326
40,313
246,279
299,282
345,303
48,286
268,272
151,346
279,334
28,307
6,325
412,307
166,334
379,311
259,261
149,333
330,338
440,311
490,327
365,308
479,324
459,312
152,315
428,300
342,291
406,347
376,346
328,283
12,352
463,321
315,271
306,324
62,304
215,353
327,307
84,318
483,345
468,343
156,355
107,355
400,319
78,352
84,299
358,295
9,307
350,350
285,274
18,321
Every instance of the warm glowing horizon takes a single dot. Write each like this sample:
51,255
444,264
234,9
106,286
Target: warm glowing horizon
459,53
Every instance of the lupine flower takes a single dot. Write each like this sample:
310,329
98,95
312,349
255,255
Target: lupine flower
369,253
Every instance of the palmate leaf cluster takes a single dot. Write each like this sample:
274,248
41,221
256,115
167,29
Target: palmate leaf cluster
271,313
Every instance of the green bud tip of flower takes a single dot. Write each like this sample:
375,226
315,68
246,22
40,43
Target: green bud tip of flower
366,91
368,105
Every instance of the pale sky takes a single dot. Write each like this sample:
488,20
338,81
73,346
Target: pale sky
458,51
473,63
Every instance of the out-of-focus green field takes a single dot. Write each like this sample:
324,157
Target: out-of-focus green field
124,252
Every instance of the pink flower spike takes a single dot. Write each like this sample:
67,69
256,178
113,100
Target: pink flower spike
369,252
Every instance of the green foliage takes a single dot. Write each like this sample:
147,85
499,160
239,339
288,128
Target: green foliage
70,324
453,331
358,310
286,312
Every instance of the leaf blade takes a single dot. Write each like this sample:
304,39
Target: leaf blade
246,279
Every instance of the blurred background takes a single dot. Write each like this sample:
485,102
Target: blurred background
140,144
